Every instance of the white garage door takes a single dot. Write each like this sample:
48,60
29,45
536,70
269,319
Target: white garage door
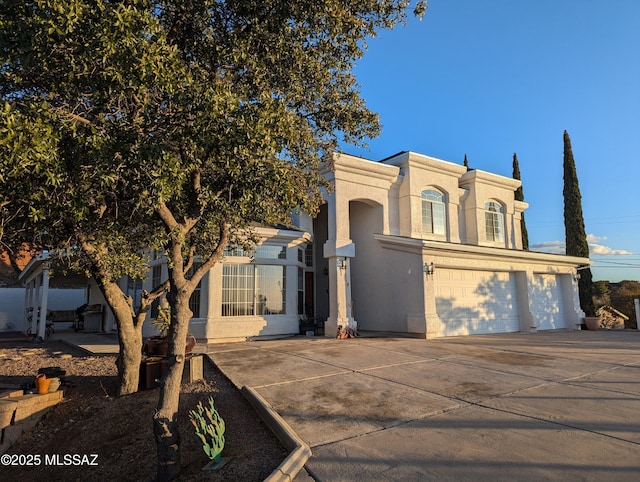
474,302
545,296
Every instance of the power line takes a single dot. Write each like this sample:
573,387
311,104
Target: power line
632,218
620,264
615,267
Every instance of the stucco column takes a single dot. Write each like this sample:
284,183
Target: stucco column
431,312
25,305
339,249
453,231
427,323
42,318
28,303
524,280
35,304
340,308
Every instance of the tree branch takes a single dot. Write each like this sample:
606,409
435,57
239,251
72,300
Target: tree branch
166,216
215,256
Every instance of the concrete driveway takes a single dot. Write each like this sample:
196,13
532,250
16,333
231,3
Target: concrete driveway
545,406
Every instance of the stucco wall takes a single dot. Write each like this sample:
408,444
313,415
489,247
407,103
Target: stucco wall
12,305
386,285
321,265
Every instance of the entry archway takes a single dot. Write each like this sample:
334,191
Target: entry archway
368,268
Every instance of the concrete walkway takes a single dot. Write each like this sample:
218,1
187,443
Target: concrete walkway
96,343
546,406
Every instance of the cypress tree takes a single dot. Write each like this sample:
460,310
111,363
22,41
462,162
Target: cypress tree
465,162
519,196
575,235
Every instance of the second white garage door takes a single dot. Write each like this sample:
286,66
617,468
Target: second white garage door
475,302
546,302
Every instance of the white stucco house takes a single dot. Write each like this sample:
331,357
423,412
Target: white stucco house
411,244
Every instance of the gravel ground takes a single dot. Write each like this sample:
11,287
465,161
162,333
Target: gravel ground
90,420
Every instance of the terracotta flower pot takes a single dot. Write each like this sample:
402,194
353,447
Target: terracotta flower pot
191,342
592,322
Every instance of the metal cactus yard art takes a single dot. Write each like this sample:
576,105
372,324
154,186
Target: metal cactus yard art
209,429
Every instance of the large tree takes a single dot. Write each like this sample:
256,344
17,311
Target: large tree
174,125
519,196
72,143
575,234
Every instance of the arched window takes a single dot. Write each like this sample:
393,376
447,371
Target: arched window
494,221
433,217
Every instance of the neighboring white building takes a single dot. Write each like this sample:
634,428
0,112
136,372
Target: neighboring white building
411,245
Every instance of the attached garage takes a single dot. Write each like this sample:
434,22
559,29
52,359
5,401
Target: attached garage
475,302
545,295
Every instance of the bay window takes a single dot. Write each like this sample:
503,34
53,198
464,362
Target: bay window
255,289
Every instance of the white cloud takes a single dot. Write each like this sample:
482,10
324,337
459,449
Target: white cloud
598,249
554,247
595,248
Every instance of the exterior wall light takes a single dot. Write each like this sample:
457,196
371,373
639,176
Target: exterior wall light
576,276
341,263
428,268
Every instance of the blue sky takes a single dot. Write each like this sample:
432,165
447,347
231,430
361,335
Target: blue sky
488,79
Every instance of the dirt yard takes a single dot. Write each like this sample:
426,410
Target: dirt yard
90,420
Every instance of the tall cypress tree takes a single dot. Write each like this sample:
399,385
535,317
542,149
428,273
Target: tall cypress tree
465,162
575,235
519,196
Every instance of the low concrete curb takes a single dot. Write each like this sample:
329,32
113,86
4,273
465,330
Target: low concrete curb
299,452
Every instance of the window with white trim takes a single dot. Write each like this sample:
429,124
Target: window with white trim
156,279
253,289
264,251
238,290
433,213
134,290
494,221
194,300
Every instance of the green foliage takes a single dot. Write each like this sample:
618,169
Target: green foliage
575,235
622,296
163,320
519,196
601,294
165,124
114,108
209,428
130,125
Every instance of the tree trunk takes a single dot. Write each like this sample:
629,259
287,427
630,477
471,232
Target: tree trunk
165,427
129,325
130,340
129,337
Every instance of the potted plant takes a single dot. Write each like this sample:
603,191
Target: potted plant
307,325
592,322
159,345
